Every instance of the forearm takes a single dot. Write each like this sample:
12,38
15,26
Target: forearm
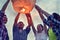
16,19
45,13
5,6
29,19
40,12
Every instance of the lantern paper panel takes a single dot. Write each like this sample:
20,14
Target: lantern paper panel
23,6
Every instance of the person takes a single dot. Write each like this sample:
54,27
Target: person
3,21
41,32
18,32
52,21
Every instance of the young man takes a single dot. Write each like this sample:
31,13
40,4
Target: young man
51,21
18,32
3,21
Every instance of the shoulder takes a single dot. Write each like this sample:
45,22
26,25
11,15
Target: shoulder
15,28
36,33
43,31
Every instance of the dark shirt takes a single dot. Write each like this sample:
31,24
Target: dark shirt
55,24
20,34
3,30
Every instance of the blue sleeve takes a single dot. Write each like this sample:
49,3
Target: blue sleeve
56,21
27,30
50,17
1,13
46,22
53,19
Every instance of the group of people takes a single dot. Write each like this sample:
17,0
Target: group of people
52,21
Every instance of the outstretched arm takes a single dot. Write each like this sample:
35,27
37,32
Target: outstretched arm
40,12
28,19
43,12
5,6
30,22
16,19
41,16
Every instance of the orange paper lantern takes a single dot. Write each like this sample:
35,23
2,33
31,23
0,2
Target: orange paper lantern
23,6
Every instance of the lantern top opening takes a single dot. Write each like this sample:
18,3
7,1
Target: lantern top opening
23,10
